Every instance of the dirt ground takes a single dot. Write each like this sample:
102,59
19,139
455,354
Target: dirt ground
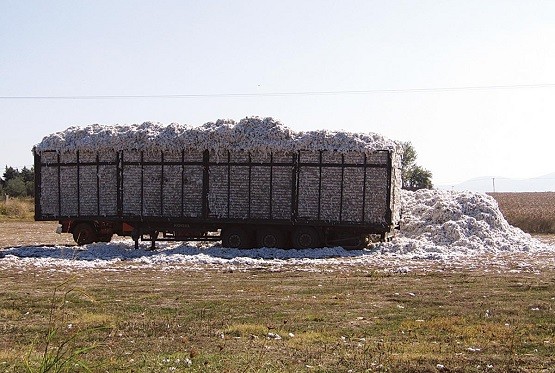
22,233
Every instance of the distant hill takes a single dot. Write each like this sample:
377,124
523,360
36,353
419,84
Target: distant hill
545,183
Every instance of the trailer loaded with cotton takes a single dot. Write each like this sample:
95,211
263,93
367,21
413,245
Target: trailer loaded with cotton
252,183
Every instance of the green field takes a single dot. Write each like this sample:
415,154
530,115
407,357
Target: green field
145,320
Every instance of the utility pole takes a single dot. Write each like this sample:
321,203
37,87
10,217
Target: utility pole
493,182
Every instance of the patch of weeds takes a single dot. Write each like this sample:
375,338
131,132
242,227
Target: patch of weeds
9,314
311,337
315,318
64,346
246,330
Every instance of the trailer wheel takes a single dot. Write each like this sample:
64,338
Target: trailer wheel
305,237
104,238
236,237
84,233
356,243
347,240
271,238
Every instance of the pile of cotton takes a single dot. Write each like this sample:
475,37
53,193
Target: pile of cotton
440,223
252,134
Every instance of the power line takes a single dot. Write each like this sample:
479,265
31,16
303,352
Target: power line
278,94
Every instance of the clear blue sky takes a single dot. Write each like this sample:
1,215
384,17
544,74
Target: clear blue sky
388,49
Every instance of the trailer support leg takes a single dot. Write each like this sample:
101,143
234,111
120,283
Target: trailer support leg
135,235
153,236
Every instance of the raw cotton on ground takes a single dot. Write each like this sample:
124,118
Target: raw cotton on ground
455,229
438,223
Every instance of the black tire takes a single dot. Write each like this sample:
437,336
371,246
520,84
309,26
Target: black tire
348,240
105,238
236,238
305,238
271,238
84,234
357,243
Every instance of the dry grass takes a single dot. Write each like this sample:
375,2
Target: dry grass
362,319
532,212
154,320
17,209
19,233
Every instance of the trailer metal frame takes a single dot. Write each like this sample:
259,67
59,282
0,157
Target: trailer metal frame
151,225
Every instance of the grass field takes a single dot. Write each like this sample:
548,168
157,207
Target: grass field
361,320
127,318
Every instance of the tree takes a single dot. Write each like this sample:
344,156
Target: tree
15,187
409,156
18,184
418,178
27,174
414,176
10,173
30,188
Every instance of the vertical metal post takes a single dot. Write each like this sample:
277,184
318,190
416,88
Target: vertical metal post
249,188
97,185
119,172
78,189
389,212
321,158
228,184
342,187
295,186
162,186
142,183
205,183
182,182
59,186
364,169
38,181
271,182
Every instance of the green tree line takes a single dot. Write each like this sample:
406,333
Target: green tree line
16,183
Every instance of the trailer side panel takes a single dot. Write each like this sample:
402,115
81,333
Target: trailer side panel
308,187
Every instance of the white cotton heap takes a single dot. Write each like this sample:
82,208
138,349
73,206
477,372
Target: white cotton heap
252,134
438,223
